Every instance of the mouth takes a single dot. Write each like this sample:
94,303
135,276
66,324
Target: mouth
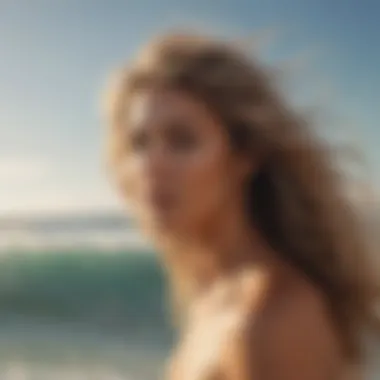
162,202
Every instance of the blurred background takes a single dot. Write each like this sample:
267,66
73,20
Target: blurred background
81,293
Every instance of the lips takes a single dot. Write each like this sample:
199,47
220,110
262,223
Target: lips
162,201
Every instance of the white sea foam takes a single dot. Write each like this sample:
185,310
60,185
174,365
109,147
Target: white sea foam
104,232
21,371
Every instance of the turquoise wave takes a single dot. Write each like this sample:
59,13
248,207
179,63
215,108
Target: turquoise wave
118,290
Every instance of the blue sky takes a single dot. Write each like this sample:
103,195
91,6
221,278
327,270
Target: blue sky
56,54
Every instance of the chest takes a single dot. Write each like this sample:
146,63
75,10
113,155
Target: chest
218,321
204,344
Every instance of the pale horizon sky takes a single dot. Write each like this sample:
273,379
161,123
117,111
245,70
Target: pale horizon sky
56,55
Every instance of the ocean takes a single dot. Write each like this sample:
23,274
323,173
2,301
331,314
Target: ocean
82,297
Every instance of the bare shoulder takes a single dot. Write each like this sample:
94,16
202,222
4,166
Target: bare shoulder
289,335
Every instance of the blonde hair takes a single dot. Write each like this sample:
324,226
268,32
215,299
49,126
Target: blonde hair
296,198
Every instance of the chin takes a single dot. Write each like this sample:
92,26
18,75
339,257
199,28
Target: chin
168,223
164,224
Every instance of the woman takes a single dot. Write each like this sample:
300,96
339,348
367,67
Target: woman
266,262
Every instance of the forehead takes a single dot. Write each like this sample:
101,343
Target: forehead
160,105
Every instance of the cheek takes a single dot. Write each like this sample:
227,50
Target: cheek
206,182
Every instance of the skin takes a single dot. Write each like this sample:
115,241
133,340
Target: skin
252,316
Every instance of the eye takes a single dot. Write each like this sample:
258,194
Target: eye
181,138
138,141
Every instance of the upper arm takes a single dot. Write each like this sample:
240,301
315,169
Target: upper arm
292,343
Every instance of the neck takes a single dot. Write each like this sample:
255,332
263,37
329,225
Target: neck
224,247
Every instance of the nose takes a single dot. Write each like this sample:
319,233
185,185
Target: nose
157,163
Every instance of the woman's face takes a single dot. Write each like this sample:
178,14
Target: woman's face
179,170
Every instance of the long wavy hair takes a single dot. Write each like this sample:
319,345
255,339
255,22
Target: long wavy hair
297,196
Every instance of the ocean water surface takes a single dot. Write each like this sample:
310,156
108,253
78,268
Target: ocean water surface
83,298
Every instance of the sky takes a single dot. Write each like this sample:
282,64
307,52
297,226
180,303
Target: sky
56,55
